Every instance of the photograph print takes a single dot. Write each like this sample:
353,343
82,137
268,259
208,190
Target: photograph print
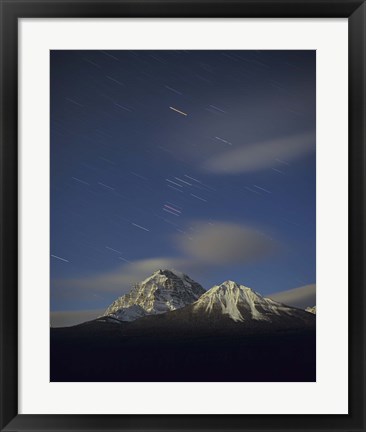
183,216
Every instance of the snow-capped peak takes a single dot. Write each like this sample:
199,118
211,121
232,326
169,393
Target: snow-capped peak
240,303
163,291
311,310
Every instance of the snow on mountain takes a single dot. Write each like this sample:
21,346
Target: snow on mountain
163,291
130,313
311,310
241,303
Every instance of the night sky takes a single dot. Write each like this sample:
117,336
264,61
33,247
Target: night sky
199,161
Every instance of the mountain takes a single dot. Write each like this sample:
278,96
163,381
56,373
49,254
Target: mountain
163,291
230,306
184,334
241,303
311,310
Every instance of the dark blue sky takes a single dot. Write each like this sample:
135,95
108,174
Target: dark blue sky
203,161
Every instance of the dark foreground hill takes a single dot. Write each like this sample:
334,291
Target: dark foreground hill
102,351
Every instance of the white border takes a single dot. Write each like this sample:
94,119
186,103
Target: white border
329,394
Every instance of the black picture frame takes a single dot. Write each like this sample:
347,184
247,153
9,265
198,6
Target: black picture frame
11,11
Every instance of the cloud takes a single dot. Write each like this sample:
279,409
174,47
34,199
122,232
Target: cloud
225,243
117,281
69,318
261,155
301,297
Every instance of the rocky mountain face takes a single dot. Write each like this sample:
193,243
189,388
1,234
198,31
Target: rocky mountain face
163,291
231,303
241,303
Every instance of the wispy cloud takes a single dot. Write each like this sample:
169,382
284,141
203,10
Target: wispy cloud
225,243
301,297
118,281
262,155
69,318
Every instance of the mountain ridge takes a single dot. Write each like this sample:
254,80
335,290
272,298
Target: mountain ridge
169,291
241,303
161,292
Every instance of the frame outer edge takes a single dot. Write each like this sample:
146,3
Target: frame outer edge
9,14
9,214
357,222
